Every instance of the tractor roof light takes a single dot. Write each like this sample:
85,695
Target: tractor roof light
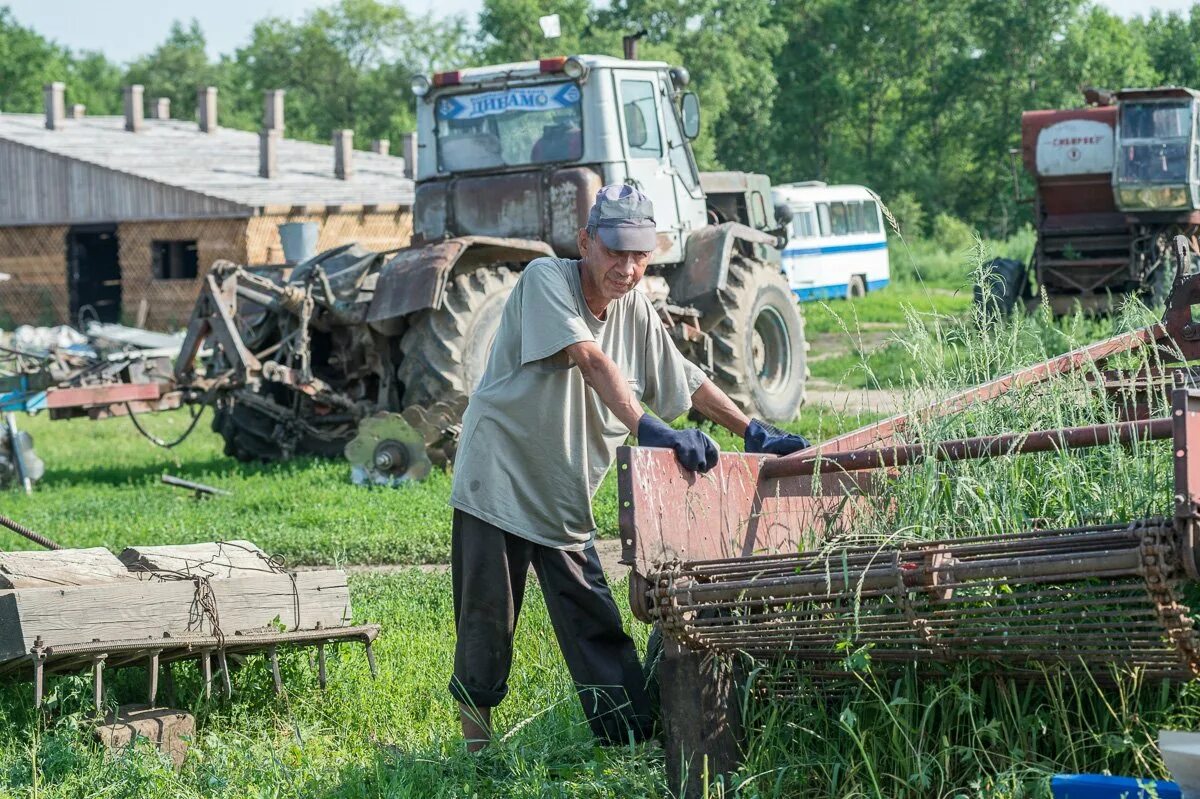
555,64
420,85
680,77
447,78
574,68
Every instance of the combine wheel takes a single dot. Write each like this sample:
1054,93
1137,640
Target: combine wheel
758,341
1004,280
446,350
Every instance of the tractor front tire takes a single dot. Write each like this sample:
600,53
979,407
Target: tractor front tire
759,351
446,349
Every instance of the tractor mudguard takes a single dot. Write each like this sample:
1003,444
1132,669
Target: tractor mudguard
415,278
706,260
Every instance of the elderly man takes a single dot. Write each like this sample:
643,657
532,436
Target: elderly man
577,353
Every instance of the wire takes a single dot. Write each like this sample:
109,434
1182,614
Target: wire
153,439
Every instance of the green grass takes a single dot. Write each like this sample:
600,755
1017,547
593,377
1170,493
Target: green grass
394,736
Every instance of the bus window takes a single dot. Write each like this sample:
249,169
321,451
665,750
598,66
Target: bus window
823,218
840,224
804,224
872,209
855,213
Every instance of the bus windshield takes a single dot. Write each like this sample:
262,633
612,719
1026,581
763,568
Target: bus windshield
509,127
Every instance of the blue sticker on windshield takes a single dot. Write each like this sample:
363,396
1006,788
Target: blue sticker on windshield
528,98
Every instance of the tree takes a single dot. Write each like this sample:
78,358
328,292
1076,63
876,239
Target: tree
728,47
176,68
349,65
27,62
509,31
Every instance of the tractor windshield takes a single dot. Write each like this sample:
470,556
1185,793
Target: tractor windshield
509,127
1155,139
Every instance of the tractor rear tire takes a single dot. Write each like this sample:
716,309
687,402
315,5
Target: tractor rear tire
1001,287
446,349
759,351
251,437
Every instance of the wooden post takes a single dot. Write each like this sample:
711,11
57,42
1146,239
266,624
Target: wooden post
152,672
206,670
273,652
98,681
701,716
227,683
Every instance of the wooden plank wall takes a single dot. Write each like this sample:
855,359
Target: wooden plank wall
40,187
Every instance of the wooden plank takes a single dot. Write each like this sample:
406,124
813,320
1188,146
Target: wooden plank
63,567
134,609
215,560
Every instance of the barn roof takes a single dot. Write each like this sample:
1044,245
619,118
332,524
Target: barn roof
92,169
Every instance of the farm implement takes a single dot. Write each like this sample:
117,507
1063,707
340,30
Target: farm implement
760,556
66,611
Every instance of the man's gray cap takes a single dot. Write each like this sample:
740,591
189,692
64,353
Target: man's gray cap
623,218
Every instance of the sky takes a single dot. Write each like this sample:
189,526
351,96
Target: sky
126,29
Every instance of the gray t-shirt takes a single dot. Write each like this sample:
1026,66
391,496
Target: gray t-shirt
536,440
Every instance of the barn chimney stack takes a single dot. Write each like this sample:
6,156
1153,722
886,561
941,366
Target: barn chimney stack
268,153
273,110
343,154
161,109
408,149
206,108
56,112
133,108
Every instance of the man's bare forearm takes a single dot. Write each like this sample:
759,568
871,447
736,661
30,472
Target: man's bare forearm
603,376
715,405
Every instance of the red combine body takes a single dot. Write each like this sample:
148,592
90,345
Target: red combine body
1114,182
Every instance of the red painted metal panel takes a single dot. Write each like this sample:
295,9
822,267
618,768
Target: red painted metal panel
102,395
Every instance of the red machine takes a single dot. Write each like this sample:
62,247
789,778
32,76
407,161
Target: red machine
1114,182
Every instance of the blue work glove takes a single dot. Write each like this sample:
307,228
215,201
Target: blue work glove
770,440
693,449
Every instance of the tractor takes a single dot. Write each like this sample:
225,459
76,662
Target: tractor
509,160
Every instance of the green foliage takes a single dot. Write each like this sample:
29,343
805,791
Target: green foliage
907,212
951,234
27,61
175,68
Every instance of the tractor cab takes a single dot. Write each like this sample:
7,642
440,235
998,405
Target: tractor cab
519,150
1157,150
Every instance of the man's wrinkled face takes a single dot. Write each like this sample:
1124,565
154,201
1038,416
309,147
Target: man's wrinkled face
613,273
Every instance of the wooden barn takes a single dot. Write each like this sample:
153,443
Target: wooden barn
118,218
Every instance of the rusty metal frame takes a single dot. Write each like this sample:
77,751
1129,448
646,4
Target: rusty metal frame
742,558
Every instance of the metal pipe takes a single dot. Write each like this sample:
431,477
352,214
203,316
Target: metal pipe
801,464
14,443
21,530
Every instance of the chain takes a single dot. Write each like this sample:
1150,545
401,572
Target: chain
1160,556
